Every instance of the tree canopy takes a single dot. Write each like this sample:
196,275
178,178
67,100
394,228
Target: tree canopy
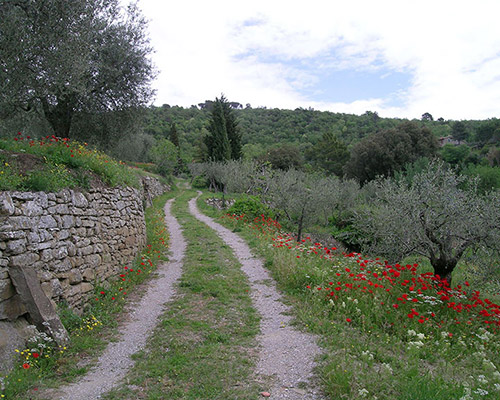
387,151
224,139
439,215
60,58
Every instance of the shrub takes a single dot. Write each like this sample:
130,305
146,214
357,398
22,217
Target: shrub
200,182
251,207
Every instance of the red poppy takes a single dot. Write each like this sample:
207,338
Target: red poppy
36,355
26,366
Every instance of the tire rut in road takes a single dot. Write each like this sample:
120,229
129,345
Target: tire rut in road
114,363
286,355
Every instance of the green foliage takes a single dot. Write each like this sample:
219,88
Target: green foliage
62,58
372,348
489,177
439,215
345,231
218,146
455,155
60,163
284,157
387,151
488,131
329,154
173,135
200,182
50,179
251,207
224,139
164,155
412,169
9,178
232,128
262,129
459,131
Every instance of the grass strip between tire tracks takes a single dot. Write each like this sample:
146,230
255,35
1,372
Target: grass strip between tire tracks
203,347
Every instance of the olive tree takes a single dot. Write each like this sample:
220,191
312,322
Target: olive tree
303,198
66,59
439,215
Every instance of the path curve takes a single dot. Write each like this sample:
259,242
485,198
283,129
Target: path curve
114,363
286,354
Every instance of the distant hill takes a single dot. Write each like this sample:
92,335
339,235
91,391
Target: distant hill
264,128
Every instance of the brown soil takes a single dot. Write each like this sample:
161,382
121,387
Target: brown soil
25,163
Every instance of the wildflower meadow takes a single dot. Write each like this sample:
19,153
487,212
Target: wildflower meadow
388,330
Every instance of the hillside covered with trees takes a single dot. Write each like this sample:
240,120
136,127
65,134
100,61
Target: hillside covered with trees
336,143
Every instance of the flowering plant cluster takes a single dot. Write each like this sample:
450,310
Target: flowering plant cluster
389,308
67,164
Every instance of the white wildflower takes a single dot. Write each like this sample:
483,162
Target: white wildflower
481,392
416,344
484,335
363,392
420,336
467,395
411,332
489,365
388,367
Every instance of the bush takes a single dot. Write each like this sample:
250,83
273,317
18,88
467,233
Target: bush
251,207
200,182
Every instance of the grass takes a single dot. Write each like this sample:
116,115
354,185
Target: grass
91,332
203,346
373,349
51,163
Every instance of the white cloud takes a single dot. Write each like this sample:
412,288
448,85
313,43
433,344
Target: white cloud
267,52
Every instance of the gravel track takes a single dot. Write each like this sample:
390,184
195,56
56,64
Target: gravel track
286,356
114,363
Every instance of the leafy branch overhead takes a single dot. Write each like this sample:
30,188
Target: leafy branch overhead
60,58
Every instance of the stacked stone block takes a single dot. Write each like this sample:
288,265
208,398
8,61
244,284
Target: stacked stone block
74,240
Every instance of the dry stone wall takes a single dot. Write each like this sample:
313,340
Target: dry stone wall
72,239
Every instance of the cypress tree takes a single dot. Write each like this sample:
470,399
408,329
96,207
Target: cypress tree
218,146
233,132
174,136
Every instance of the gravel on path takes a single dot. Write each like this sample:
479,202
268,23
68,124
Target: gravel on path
286,356
114,363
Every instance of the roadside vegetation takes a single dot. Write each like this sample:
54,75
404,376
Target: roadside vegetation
52,163
44,365
389,330
431,211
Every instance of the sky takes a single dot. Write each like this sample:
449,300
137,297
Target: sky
399,58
